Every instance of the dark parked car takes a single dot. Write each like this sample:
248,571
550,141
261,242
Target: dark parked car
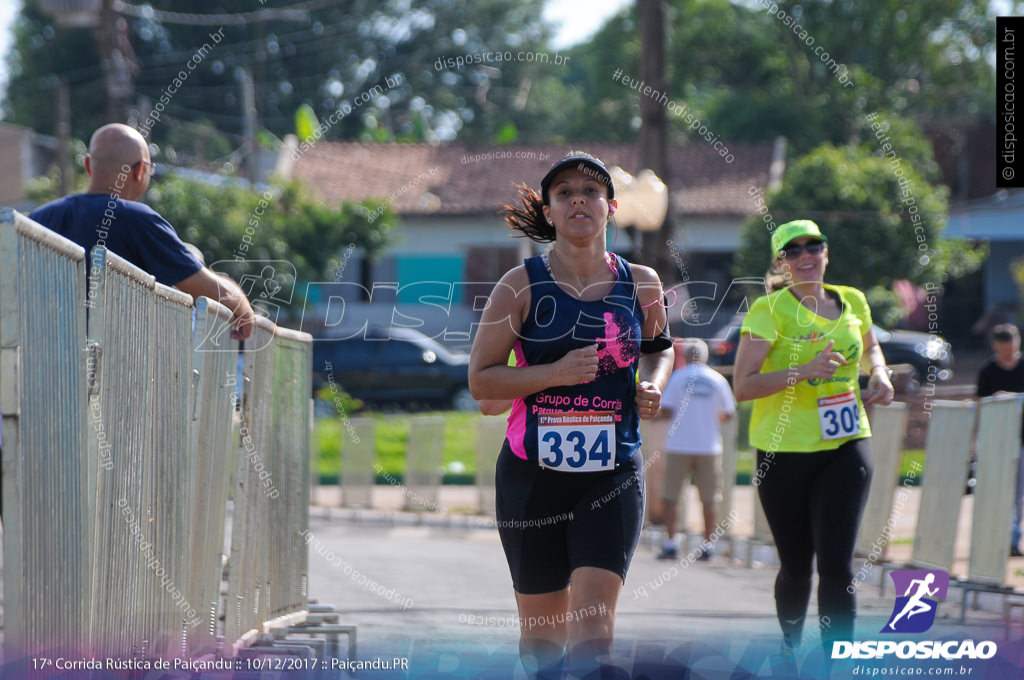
394,366
925,352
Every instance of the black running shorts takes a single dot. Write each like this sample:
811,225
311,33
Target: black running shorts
553,522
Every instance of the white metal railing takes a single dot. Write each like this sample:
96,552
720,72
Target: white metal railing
998,455
289,481
216,380
887,426
43,381
247,577
947,449
118,402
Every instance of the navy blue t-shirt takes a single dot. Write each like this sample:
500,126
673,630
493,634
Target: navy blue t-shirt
131,229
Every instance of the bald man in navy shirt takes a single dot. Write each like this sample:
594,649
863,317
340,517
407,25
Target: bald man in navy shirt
110,214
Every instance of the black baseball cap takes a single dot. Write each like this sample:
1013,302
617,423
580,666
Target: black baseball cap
581,161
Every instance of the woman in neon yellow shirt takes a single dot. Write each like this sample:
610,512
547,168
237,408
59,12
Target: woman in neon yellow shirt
799,359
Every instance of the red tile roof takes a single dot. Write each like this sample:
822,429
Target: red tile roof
460,179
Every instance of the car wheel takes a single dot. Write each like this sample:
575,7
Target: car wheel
462,400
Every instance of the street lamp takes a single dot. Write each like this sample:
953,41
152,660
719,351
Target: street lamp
627,212
642,200
643,205
651,196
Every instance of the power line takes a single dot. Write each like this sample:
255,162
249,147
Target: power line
161,62
240,49
297,12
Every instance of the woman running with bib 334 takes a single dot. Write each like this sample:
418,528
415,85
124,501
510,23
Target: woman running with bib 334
569,480
799,360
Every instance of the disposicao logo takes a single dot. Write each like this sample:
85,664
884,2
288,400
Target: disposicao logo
914,611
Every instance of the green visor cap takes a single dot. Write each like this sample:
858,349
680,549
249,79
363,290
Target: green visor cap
785,233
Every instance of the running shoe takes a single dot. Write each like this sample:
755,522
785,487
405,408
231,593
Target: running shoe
706,554
1015,551
668,553
783,664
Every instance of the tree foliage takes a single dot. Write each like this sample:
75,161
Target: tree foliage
228,220
749,70
287,225
39,53
344,54
882,217
753,71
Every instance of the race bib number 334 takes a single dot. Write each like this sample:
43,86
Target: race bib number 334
576,441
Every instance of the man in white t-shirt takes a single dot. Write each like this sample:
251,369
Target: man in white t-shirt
697,399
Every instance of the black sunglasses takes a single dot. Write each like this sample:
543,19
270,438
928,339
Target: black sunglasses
794,249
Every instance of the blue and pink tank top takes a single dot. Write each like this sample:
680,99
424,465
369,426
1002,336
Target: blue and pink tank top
591,426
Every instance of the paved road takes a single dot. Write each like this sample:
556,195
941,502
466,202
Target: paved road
459,611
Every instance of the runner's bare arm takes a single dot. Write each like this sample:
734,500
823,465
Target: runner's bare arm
656,368
225,291
879,389
748,382
494,407
490,376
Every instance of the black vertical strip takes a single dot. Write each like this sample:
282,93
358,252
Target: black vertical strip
1009,162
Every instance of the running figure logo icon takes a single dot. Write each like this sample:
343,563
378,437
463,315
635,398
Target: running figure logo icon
914,611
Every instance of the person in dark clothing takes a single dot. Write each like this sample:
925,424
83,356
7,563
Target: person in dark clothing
1004,372
110,214
589,334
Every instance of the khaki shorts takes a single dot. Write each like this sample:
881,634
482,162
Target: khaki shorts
706,471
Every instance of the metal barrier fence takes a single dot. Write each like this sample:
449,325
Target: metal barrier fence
730,443
246,604
271,489
490,437
423,463
887,426
357,464
217,390
170,473
998,453
43,381
118,404
288,484
140,345
945,473
951,433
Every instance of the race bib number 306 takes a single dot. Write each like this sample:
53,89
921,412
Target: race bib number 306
576,441
839,416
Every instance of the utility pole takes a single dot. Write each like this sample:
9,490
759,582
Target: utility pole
249,123
116,76
112,42
63,109
654,130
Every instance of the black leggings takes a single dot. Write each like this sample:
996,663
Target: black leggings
813,503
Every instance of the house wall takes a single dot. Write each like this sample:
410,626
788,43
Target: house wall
12,151
1000,288
433,256
445,235
709,234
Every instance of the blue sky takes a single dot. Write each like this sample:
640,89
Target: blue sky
573,25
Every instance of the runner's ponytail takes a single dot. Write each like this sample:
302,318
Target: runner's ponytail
528,217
